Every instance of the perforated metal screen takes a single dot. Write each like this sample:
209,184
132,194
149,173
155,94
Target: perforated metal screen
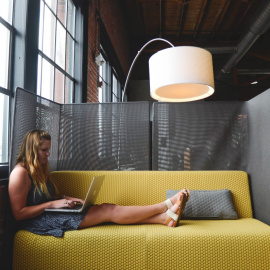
199,136
115,136
34,112
104,136
92,136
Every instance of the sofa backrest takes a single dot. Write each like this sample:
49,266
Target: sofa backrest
149,187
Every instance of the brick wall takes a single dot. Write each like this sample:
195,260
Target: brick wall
113,19
109,11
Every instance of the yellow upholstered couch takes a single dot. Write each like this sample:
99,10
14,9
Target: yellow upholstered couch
196,244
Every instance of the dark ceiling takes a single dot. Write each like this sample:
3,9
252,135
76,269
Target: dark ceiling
236,32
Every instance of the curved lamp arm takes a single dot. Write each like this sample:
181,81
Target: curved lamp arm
139,52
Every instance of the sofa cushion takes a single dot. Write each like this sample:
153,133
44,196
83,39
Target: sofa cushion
208,204
195,244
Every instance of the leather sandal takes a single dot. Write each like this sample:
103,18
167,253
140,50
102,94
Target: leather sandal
169,204
176,216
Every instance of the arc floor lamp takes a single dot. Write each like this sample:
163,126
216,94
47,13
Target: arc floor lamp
178,74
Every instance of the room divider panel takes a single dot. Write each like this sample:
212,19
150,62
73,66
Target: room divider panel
34,112
259,154
104,136
199,136
92,136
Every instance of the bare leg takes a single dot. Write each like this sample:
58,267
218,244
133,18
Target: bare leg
160,218
155,214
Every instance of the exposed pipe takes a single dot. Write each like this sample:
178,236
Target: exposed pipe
221,50
258,26
252,71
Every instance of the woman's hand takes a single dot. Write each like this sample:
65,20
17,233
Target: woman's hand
73,199
67,202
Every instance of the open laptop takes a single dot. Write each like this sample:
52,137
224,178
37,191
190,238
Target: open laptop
90,198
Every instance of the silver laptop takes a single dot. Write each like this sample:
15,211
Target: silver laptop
90,198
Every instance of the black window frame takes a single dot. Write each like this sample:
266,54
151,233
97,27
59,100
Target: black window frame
24,56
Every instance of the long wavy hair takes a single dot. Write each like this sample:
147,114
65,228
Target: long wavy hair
28,158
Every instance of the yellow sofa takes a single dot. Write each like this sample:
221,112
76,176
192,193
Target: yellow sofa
196,244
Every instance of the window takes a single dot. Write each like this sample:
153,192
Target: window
110,89
104,92
39,52
116,89
6,29
56,50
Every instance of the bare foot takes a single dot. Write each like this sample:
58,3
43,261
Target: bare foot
175,197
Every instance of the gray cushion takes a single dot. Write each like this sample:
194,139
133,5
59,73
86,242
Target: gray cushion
208,204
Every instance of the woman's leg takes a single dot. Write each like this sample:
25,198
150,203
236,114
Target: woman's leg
161,218
155,214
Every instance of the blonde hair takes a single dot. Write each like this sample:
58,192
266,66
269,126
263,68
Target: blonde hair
28,158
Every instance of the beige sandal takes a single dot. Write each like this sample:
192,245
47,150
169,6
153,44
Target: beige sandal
176,216
169,204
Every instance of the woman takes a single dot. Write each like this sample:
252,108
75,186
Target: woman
31,192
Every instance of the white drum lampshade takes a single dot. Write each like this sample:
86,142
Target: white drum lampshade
181,74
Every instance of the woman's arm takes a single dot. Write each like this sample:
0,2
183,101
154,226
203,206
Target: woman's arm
19,186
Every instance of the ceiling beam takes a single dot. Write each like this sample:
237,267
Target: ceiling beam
181,18
161,18
260,55
220,18
200,19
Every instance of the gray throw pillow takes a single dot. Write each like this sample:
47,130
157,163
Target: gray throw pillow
208,204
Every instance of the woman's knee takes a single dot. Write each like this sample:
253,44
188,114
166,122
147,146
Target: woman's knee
107,207
97,214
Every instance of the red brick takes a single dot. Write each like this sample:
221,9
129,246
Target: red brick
112,18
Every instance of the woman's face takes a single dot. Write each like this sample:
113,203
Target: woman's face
44,152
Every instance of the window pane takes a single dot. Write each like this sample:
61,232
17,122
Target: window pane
100,83
4,109
115,90
60,45
61,11
4,56
100,95
47,80
49,33
69,91
70,56
39,72
41,21
52,4
59,86
6,7
71,18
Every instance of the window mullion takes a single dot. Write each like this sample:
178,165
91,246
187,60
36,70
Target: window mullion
5,91
55,65
6,24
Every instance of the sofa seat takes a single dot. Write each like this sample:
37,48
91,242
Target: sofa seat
196,244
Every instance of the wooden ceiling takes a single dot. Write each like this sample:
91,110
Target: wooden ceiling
235,31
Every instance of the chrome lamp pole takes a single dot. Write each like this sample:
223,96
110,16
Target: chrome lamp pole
139,52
